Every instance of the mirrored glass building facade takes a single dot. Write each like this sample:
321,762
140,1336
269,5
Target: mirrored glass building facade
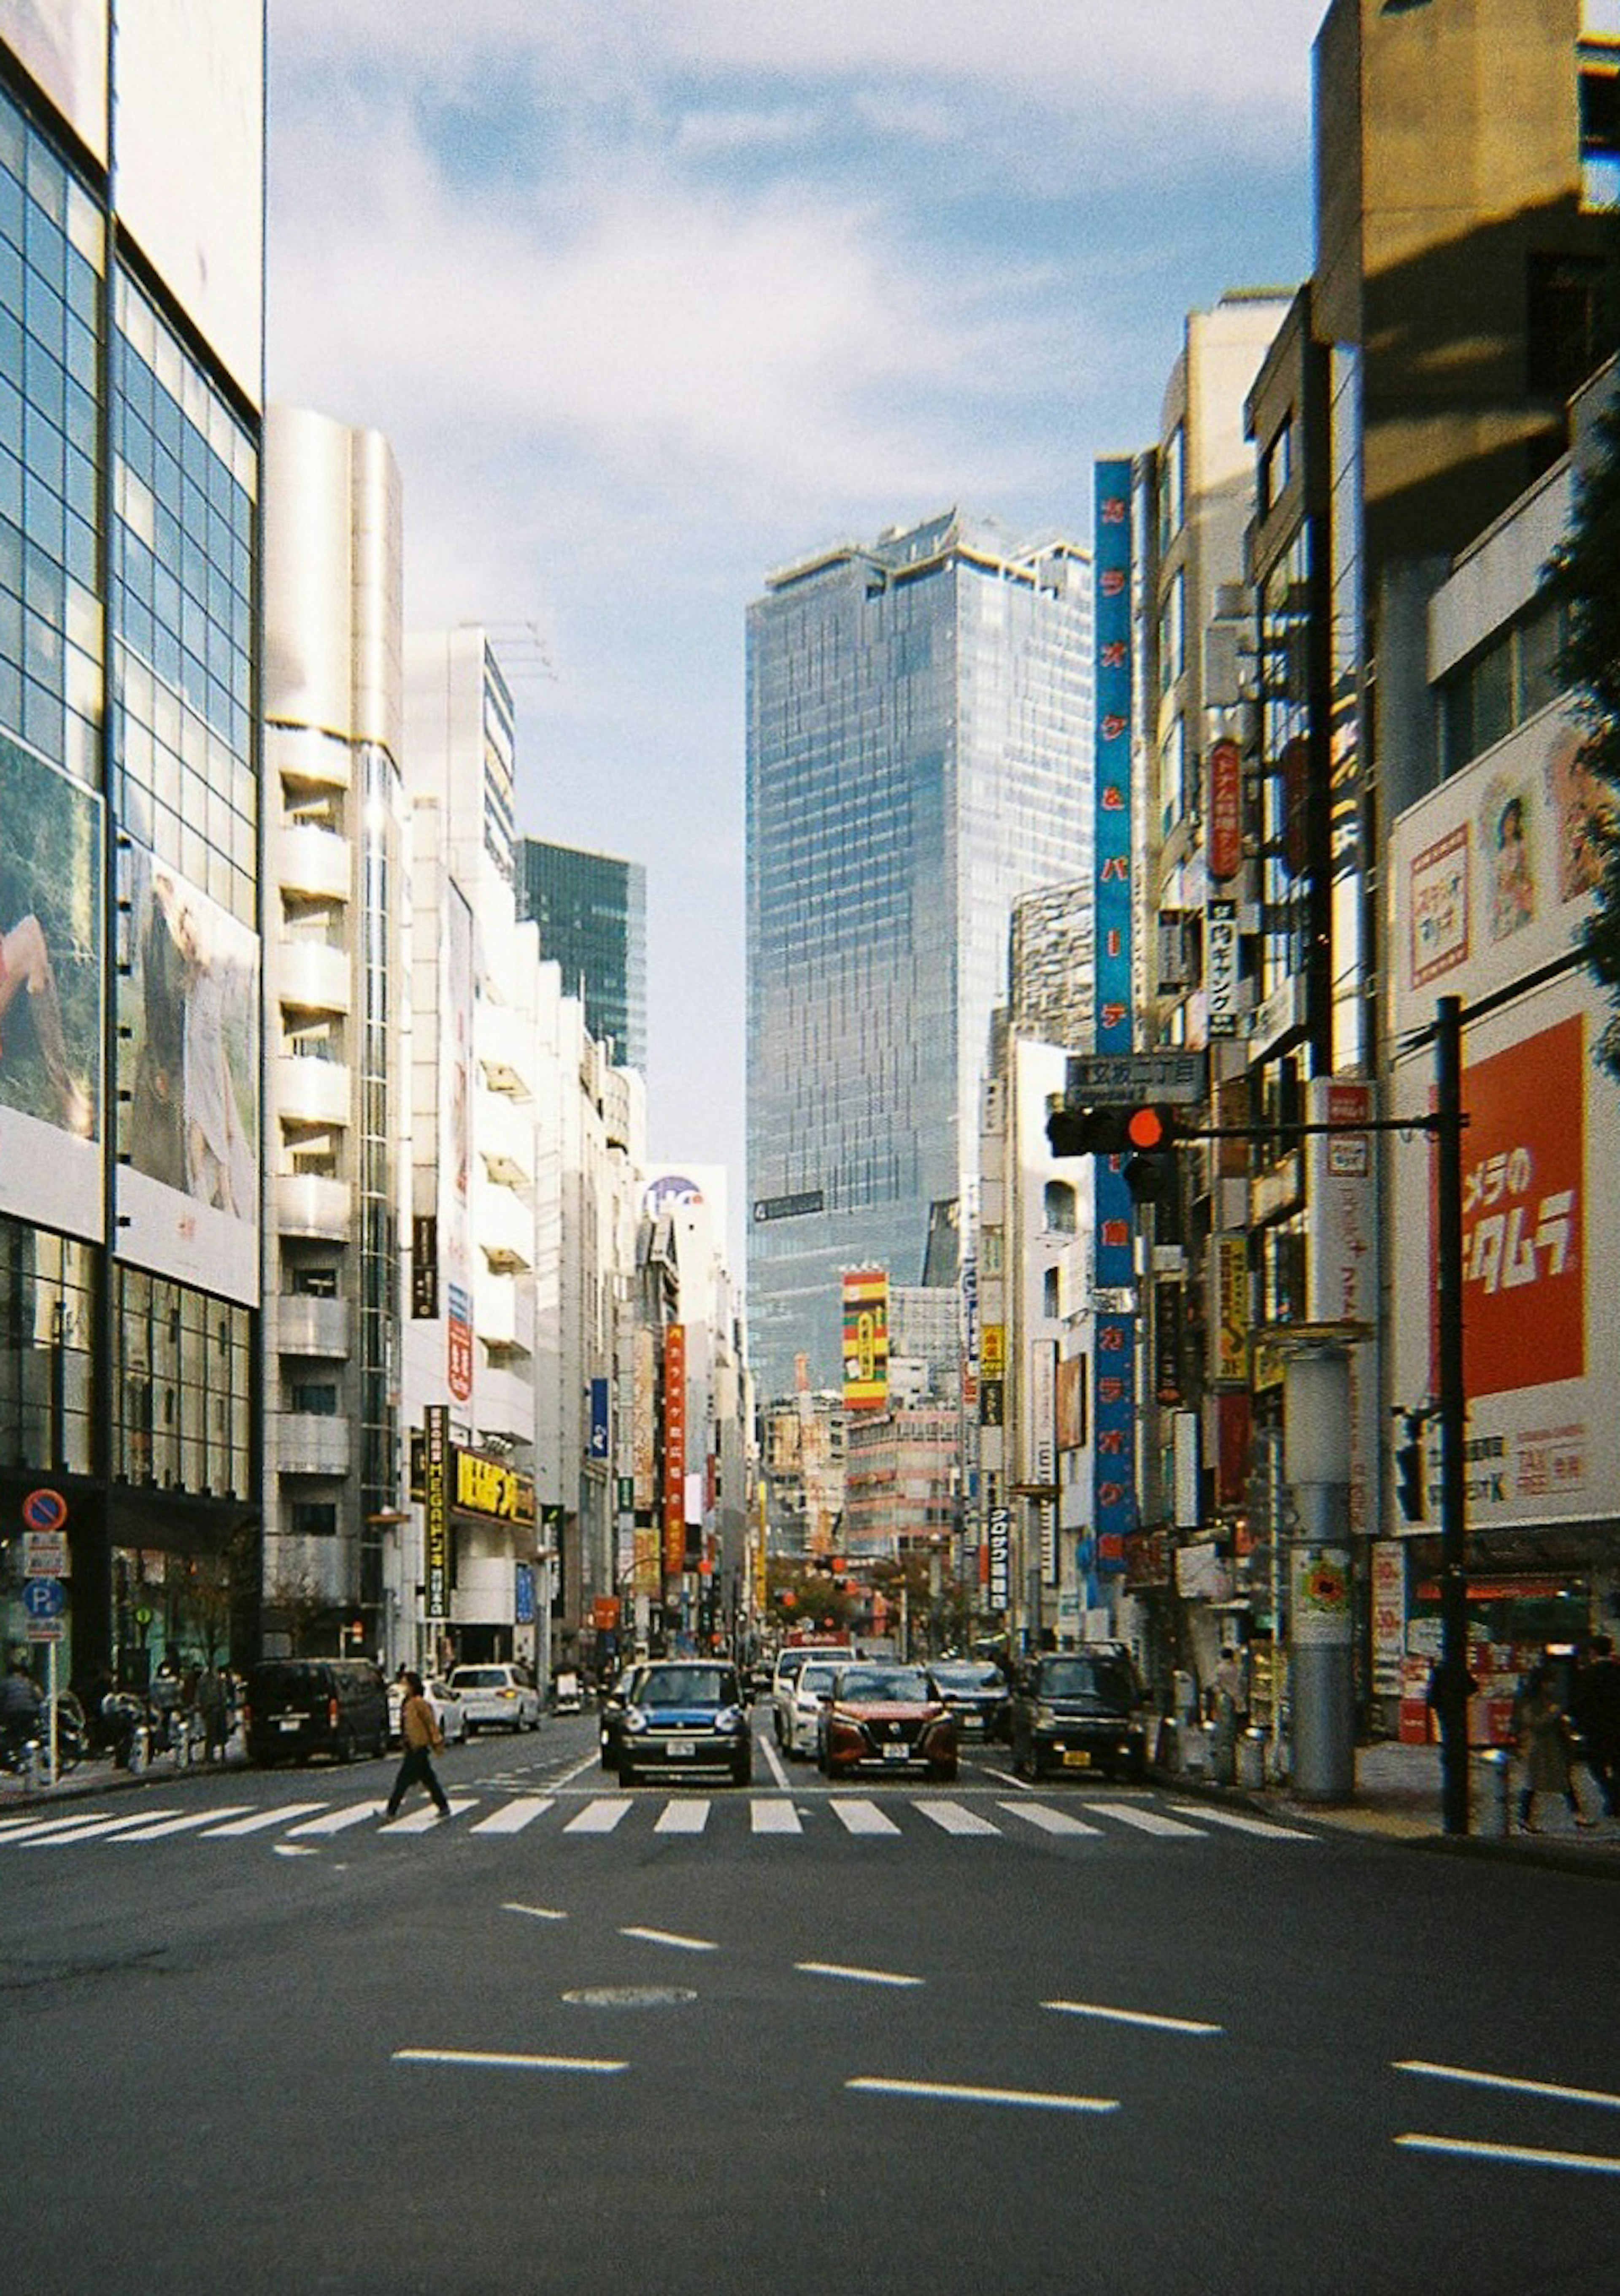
919,755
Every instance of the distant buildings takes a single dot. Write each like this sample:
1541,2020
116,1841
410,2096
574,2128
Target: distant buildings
918,740
592,912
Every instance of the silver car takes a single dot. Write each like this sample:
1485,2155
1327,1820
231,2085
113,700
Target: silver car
812,1690
496,1696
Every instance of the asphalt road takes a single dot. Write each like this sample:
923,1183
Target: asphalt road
986,2037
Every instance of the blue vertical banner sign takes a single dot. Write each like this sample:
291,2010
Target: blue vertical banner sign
599,1419
1114,1359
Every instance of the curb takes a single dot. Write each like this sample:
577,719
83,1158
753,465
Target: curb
1414,1829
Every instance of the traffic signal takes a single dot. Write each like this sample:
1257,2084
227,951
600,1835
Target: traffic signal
1128,1129
1411,1493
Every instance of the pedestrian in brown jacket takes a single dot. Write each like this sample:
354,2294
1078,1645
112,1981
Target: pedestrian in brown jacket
421,1738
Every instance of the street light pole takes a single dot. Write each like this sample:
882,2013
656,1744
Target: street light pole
1452,1700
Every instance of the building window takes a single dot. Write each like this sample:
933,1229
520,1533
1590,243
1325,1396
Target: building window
1277,466
1568,331
1501,685
1173,488
1060,1208
317,1397
1600,109
314,1518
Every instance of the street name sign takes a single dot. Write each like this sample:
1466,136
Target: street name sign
1125,1079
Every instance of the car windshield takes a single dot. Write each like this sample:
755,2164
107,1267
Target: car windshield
884,1686
689,1686
1107,1678
967,1674
817,1678
481,1677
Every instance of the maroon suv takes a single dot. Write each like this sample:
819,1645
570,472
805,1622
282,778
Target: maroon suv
883,1716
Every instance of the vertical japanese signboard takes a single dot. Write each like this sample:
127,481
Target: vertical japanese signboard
1114,1401
436,1499
865,1339
675,1451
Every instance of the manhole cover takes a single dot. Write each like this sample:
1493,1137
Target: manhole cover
631,1996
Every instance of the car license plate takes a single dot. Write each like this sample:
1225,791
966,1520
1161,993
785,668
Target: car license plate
681,1749
1079,1760
895,1754
292,1722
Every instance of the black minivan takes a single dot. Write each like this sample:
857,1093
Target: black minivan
296,1707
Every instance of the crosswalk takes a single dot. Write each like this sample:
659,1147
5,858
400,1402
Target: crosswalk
309,1824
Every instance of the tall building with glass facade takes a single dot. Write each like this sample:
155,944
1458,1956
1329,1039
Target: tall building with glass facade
131,391
591,911
919,755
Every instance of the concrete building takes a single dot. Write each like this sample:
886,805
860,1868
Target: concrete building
335,979
131,399
918,753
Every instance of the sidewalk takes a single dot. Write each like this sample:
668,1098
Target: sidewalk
1398,1799
98,1776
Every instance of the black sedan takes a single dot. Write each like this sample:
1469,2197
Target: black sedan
976,1694
1081,1711
685,1717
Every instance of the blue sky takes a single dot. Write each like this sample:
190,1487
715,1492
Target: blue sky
653,296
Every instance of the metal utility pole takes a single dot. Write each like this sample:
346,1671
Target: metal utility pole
1451,1701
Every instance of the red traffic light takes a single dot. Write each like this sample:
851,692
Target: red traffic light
1111,1130
1146,1128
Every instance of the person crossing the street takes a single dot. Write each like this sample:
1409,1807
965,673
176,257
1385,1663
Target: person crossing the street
421,1738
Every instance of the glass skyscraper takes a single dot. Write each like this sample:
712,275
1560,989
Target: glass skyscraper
591,911
919,755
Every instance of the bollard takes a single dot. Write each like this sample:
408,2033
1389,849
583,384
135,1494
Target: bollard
1491,1796
1251,1759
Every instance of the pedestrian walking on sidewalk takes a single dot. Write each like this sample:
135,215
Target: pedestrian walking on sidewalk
1597,1715
421,1738
1543,1732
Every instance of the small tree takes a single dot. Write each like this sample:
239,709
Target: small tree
1583,574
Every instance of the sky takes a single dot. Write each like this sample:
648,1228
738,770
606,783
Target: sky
651,297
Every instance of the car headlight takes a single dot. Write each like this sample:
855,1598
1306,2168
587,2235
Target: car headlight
1046,1716
730,1718
634,1720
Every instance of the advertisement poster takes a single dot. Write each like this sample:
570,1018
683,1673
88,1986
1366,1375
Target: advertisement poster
1540,1260
51,892
865,1339
188,1179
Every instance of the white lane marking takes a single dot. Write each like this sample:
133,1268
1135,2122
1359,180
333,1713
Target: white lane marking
520,1811
1047,2100
856,1816
855,1976
774,1761
18,1829
294,1849
421,1821
262,1820
672,1937
1506,2080
774,1817
1145,1821
537,1912
951,1817
600,1816
684,1818
192,1824
1265,1828
91,1829
336,1821
1050,1821
1154,2022
505,2059
1008,1778
1524,2156
590,1762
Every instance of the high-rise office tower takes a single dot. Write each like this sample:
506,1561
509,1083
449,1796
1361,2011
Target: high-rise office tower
919,755
131,393
591,911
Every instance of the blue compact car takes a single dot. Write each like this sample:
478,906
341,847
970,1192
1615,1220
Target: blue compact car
685,1715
